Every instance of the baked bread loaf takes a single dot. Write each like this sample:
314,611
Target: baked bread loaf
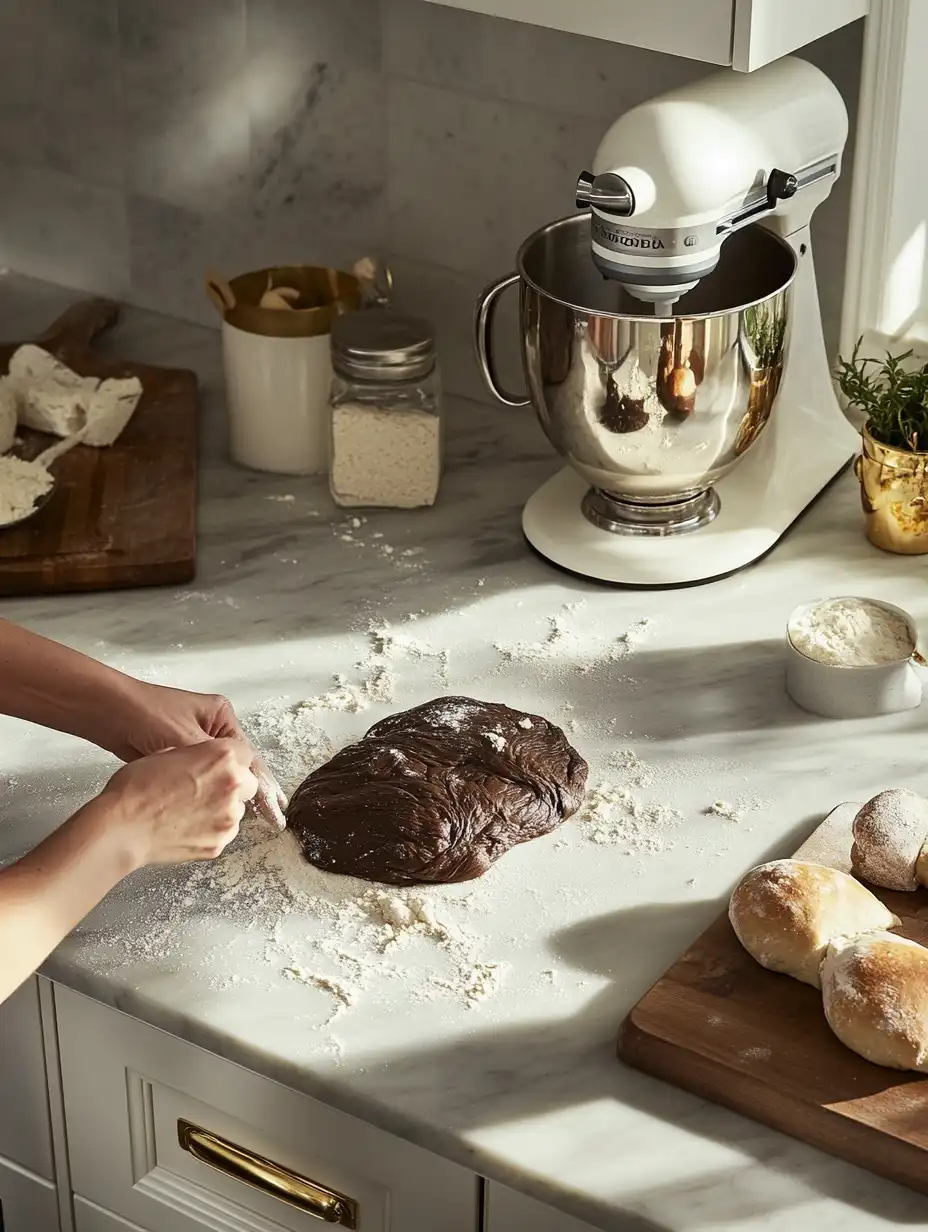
786,913
891,840
875,993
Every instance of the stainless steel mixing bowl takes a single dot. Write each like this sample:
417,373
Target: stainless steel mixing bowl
651,411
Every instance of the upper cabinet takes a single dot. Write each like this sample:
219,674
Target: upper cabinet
743,33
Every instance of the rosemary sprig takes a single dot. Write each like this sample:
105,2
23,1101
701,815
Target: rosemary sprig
766,332
893,398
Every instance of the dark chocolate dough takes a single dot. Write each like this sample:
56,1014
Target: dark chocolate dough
437,793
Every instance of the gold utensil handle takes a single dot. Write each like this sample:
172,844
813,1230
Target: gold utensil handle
268,1177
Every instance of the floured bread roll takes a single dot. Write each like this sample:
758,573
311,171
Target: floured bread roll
875,993
891,840
786,912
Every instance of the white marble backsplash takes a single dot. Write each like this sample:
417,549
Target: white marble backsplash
142,141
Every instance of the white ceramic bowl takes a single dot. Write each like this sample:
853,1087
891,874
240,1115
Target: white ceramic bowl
837,692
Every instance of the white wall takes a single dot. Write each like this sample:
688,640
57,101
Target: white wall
887,277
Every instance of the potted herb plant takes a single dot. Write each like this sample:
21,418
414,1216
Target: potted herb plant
893,466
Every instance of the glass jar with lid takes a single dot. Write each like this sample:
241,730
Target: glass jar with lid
385,402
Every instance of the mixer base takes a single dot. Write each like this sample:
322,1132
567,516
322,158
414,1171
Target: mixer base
654,519
753,516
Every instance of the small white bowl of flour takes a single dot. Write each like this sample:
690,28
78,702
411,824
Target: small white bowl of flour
852,658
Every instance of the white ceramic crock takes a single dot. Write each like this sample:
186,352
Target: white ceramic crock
836,692
278,392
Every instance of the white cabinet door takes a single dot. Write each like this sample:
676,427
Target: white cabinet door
88,1217
175,1139
27,1202
765,30
25,1136
744,33
508,1211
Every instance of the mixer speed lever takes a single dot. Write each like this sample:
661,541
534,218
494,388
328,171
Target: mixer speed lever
607,192
781,185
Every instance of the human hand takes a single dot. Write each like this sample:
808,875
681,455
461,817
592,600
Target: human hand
149,718
182,804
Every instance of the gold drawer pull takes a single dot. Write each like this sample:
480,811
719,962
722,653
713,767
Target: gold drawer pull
270,1178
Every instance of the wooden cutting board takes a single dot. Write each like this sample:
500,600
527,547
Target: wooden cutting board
122,516
719,1025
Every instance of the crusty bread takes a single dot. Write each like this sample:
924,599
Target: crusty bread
875,993
889,834
785,914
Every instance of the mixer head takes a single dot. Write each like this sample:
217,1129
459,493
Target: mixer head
675,176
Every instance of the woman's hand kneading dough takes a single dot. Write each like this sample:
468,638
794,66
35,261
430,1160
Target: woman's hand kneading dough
181,797
183,804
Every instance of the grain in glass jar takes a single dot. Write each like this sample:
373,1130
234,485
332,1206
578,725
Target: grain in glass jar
386,411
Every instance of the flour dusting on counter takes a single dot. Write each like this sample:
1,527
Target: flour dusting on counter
352,943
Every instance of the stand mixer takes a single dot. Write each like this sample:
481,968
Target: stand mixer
671,334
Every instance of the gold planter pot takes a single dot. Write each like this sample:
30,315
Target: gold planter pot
894,495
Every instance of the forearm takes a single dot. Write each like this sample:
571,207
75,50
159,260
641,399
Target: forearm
51,685
46,893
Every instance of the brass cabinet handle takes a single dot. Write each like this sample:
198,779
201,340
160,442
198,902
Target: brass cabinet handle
268,1177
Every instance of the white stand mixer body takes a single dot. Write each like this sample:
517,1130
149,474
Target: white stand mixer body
781,112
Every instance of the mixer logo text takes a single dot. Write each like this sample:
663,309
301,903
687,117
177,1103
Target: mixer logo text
625,239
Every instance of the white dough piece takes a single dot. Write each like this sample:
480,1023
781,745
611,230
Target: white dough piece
9,414
47,406
875,994
52,398
787,912
34,364
111,407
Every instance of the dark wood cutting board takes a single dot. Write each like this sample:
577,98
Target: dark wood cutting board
121,516
719,1025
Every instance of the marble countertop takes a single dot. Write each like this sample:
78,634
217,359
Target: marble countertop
523,1086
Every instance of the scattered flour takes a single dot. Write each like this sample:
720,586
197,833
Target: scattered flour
735,811
344,995
290,730
409,560
564,646
559,636
612,815
851,633
633,637
290,739
755,1054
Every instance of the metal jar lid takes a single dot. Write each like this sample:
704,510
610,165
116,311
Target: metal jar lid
377,344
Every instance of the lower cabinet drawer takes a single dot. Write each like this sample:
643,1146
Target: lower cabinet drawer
88,1217
174,1139
508,1211
28,1203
